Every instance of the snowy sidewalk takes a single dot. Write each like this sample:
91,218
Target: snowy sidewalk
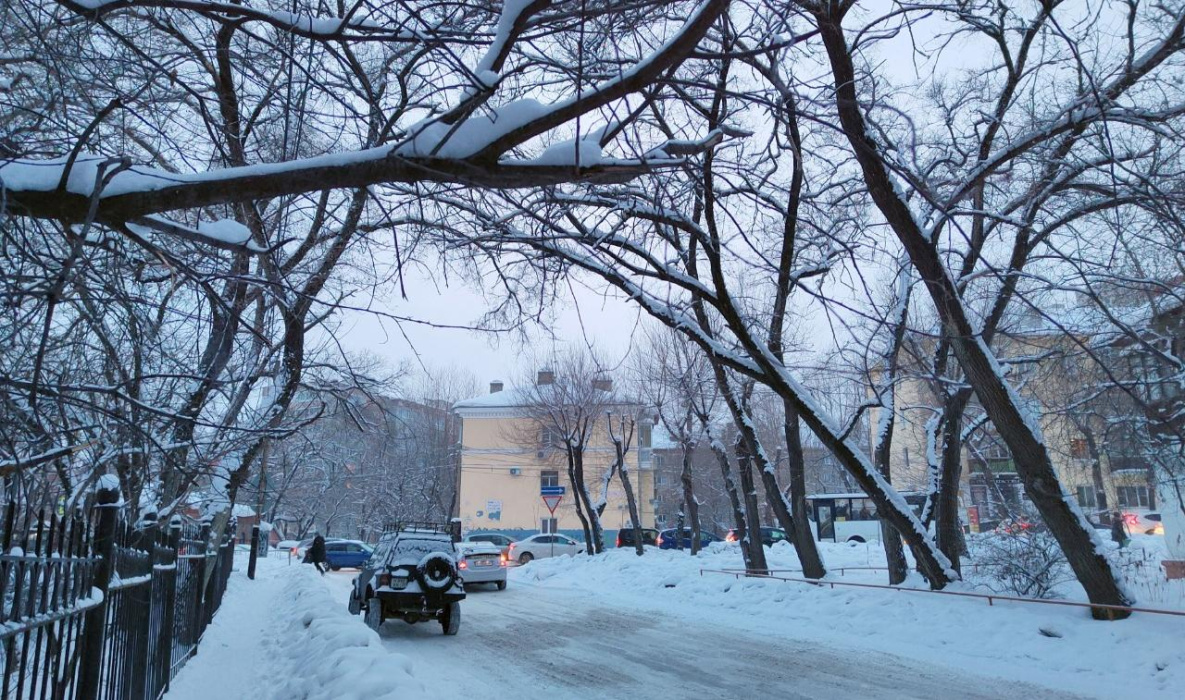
236,656
283,636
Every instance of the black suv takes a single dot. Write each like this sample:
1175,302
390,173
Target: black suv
412,576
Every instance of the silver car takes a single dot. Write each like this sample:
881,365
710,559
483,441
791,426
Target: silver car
542,546
481,562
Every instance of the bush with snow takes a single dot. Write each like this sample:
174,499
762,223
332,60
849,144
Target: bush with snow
1029,564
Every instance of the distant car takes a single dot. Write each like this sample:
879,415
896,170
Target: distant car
667,539
1146,522
498,539
346,554
542,545
412,576
481,562
625,537
769,536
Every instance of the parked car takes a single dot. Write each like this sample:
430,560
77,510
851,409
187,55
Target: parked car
1146,522
502,541
289,545
346,554
413,576
769,536
667,539
481,562
625,536
542,545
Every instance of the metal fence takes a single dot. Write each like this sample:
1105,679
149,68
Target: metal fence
93,606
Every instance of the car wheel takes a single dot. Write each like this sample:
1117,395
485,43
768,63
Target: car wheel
450,621
374,614
355,605
334,568
501,585
856,539
525,558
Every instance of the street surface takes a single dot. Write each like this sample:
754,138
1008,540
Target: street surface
543,642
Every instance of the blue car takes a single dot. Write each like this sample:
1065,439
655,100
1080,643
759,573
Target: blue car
667,539
346,554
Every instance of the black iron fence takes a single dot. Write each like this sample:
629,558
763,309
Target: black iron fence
93,606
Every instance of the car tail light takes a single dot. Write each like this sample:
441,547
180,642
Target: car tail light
384,579
1131,518
730,537
619,540
502,560
659,540
462,565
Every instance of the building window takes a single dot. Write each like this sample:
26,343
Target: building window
550,437
1087,498
548,526
549,478
1078,449
1133,497
644,430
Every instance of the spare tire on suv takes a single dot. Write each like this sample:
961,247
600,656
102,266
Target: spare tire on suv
436,572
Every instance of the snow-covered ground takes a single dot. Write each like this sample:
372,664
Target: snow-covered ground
619,625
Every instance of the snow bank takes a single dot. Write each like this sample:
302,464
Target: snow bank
1059,647
331,654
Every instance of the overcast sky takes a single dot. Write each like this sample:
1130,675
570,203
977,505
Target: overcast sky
607,322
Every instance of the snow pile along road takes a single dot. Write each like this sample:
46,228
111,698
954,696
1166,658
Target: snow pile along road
1058,647
331,655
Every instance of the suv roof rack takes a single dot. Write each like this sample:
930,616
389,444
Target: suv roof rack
453,529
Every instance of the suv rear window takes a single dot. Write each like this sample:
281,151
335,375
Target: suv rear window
410,550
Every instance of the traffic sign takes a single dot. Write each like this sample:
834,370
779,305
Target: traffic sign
552,501
551,490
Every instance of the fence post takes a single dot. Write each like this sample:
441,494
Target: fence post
95,622
200,589
164,652
142,538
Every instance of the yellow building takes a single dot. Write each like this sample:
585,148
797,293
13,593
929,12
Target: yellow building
510,451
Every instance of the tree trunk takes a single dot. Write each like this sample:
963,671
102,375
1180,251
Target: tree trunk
632,503
571,452
597,544
752,537
948,530
730,487
690,506
801,536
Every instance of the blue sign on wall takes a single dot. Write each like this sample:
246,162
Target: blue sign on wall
551,490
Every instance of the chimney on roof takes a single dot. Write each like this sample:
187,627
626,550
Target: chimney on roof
495,386
602,383
545,377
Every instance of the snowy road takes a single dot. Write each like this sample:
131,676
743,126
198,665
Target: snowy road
548,643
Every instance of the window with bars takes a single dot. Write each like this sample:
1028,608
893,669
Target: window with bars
548,526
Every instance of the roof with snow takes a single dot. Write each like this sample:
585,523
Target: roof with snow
519,397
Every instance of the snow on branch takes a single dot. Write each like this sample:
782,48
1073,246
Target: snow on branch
345,28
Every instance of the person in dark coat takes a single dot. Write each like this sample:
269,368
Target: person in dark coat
316,554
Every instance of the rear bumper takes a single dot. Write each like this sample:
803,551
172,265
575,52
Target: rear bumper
484,574
415,601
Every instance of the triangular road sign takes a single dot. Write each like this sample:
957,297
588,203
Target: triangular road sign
552,501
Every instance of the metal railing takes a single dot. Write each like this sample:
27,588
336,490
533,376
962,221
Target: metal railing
93,606
991,598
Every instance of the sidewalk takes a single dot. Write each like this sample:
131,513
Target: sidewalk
284,636
236,658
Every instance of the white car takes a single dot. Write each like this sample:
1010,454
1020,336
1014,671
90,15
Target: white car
481,562
542,546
